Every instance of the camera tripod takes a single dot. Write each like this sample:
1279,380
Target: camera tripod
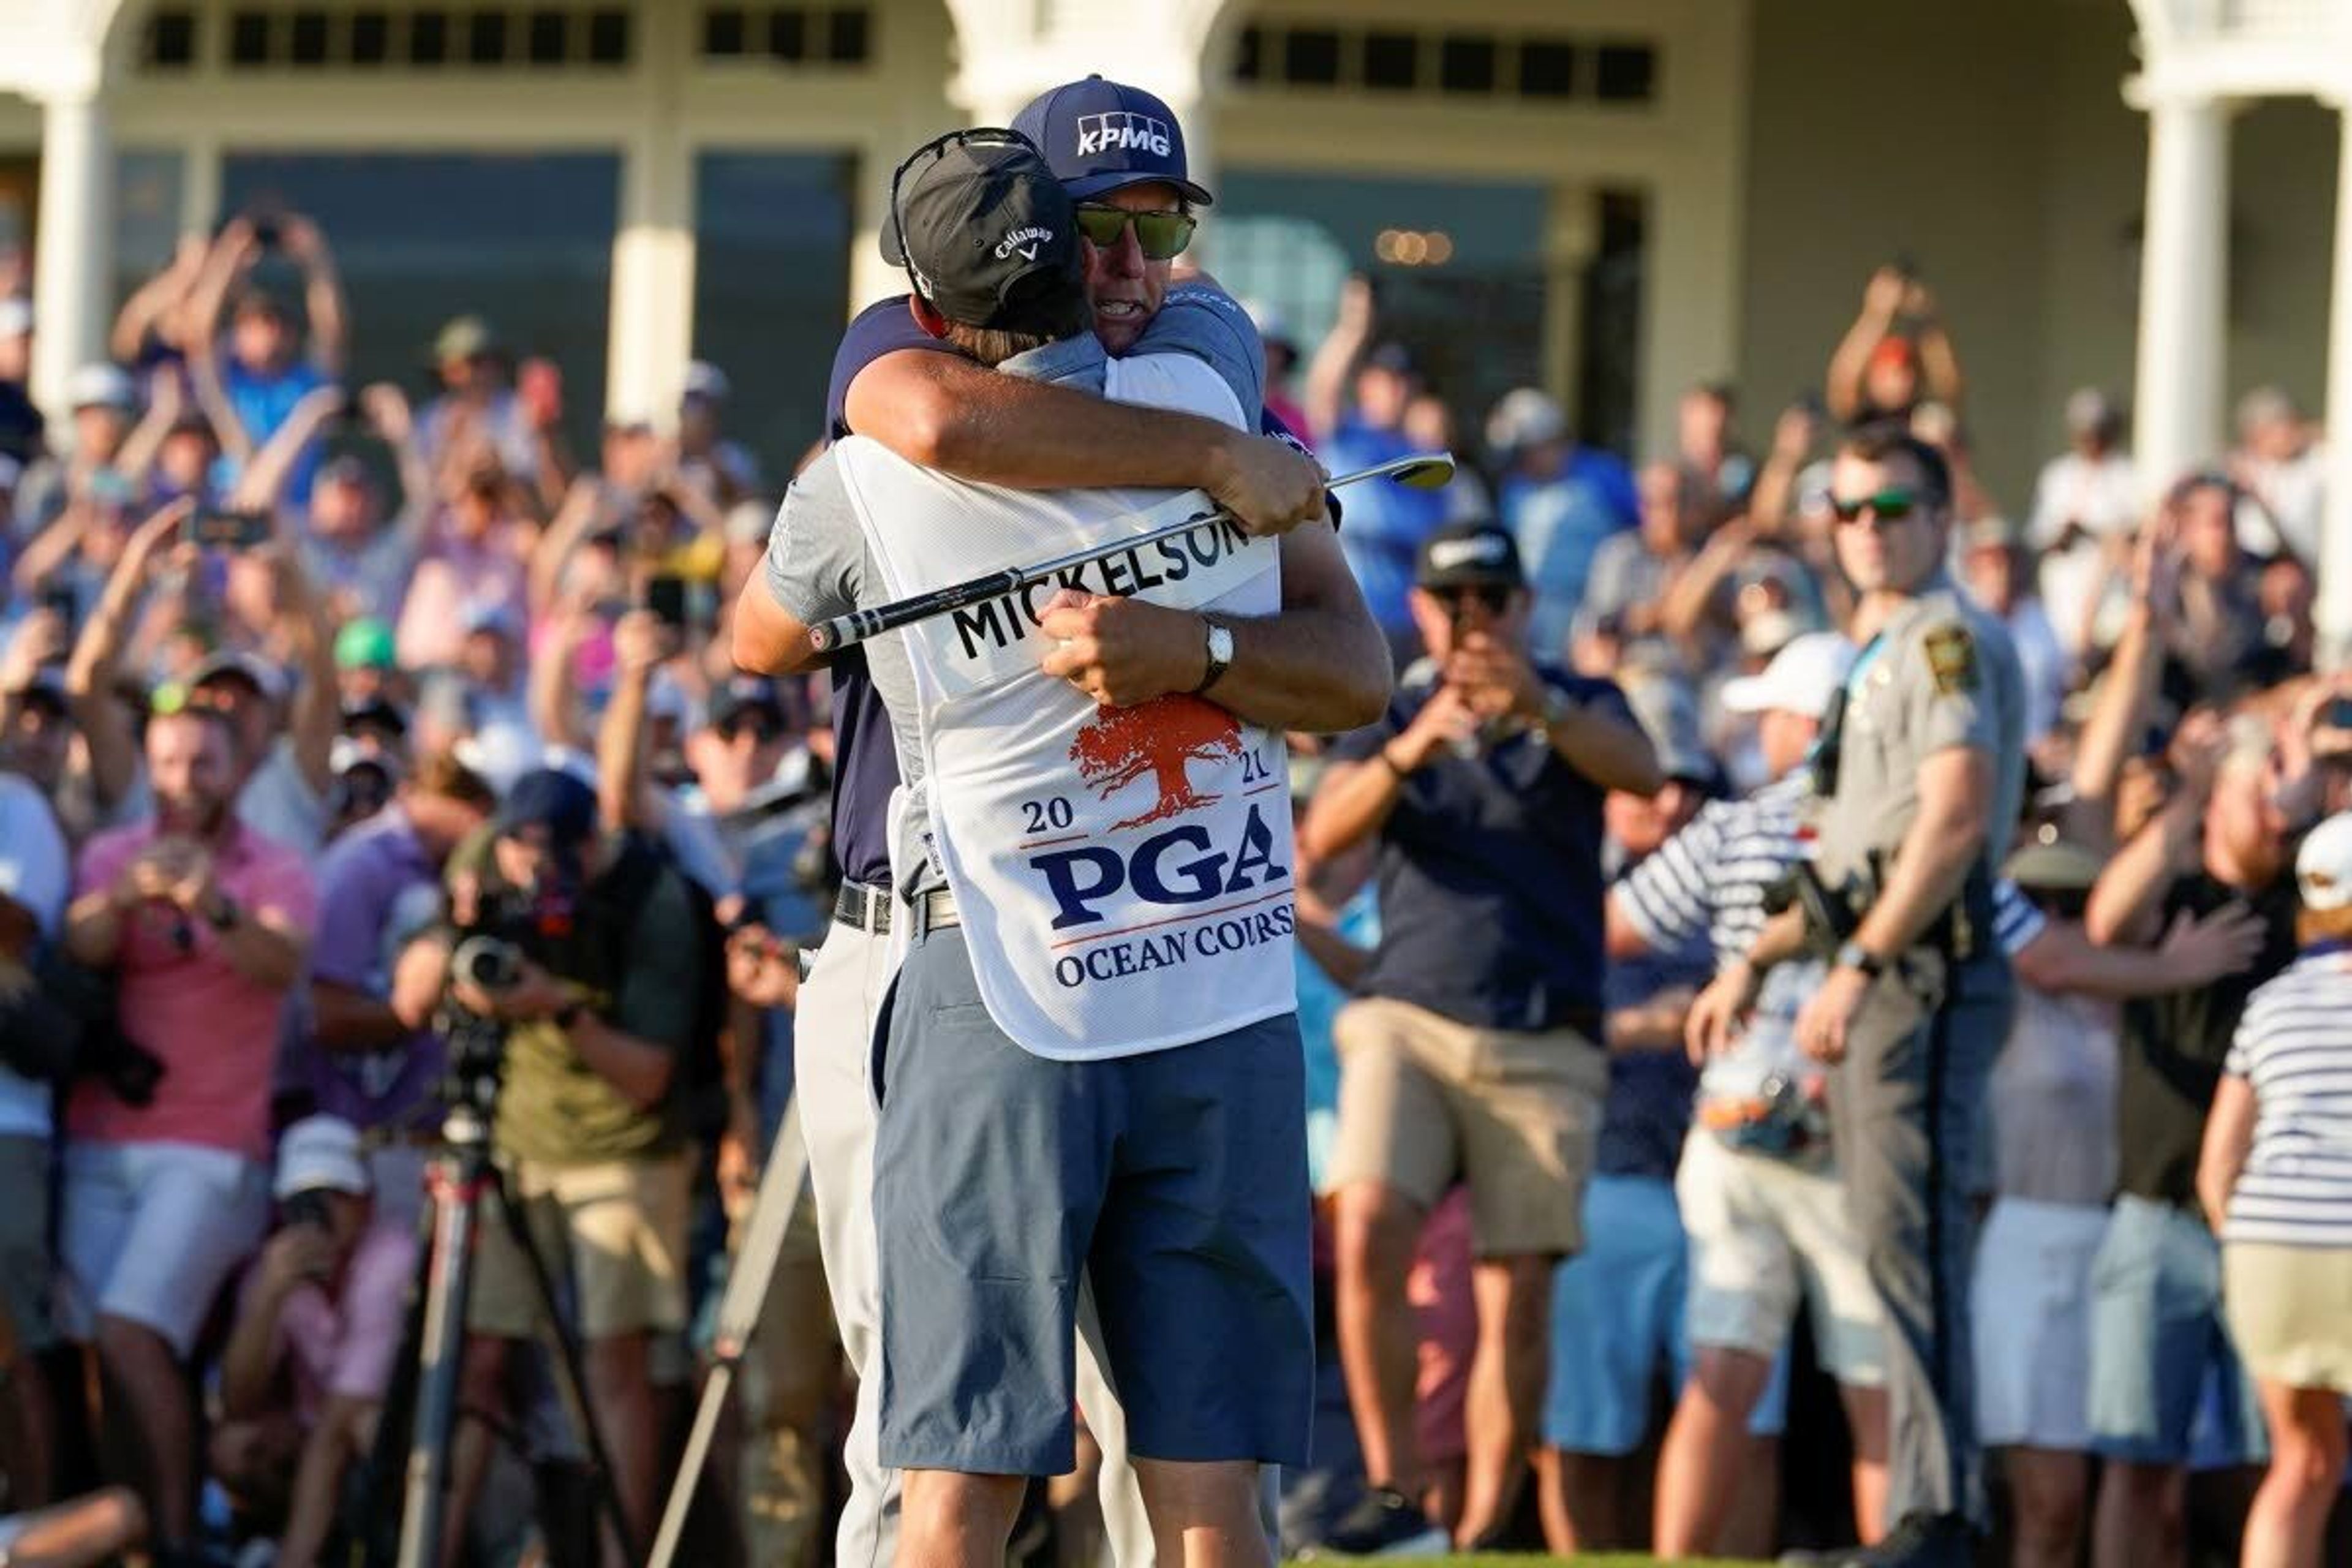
426,1378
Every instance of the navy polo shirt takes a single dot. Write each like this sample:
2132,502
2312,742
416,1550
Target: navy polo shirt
865,761
1490,874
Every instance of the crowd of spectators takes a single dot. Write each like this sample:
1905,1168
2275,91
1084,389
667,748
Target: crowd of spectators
300,681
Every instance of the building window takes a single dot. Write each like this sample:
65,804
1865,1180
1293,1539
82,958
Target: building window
1391,61
316,37
1627,73
249,38
789,35
371,38
429,38
1310,57
1466,64
1547,69
1542,68
1248,61
169,43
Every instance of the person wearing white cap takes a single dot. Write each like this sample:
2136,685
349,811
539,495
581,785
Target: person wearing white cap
104,403
20,423
2085,505
723,469
1759,1199
2275,1179
318,1329
1559,500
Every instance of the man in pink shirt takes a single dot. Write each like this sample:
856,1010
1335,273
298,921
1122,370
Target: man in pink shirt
201,920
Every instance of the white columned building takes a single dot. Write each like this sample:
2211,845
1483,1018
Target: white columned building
55,54
2199,56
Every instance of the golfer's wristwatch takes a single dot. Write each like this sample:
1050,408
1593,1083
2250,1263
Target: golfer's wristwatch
1220,653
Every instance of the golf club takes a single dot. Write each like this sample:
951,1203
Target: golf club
1418,470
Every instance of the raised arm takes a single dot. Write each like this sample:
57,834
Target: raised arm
1849,365
1335,359
261,486
322,293
135,460
386,407
317,715
2123,703
107,732
232,257
553,551
2126,900
1940,363
156,304
624,798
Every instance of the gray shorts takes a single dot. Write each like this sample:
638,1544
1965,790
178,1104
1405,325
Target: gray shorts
1175,1180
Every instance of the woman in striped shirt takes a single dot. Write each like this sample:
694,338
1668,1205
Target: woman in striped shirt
2275,1179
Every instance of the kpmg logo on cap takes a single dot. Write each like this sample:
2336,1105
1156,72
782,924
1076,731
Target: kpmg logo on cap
1122,131
1025,241
1481,550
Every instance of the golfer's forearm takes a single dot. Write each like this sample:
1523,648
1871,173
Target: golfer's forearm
949,413
1317,668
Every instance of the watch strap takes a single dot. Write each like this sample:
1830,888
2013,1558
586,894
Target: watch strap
1853,956
1218,637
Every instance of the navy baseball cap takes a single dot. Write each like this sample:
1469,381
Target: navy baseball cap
1100,136
552,799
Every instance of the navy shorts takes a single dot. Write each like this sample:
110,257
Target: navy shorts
1175,1180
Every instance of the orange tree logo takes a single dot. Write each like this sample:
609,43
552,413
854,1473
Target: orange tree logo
1159,738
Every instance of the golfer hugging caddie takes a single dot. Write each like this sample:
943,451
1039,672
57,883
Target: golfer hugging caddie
1089,1071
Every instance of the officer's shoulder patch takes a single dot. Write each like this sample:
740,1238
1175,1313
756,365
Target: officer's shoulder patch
1952,658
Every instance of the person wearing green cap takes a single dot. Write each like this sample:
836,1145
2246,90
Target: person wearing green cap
365,664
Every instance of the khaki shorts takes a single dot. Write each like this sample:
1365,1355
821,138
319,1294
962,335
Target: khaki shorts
1513,1114
2290,1311
1766,1234
612,1237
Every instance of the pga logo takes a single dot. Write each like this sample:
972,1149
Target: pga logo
1122,131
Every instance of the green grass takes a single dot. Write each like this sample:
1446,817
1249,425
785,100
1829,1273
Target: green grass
1583,1559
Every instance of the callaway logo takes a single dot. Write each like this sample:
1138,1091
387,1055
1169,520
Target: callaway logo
1011,242
1486,550
1099,133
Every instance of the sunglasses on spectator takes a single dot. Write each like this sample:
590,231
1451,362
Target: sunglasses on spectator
760,730
1159,235
1494,595
1887,506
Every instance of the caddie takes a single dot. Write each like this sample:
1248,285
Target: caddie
1109,823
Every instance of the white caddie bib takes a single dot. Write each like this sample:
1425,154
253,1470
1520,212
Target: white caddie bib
1123,875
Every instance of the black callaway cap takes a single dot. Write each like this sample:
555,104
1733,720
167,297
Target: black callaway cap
1463,554
985,232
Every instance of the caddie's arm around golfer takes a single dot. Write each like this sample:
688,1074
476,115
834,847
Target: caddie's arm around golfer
947,413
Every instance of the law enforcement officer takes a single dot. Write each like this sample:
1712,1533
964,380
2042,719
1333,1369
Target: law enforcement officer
1924,756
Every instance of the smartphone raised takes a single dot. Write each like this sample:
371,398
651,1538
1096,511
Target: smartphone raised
665,597
219,529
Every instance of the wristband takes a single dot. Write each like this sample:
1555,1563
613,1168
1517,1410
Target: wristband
1855,956
567,1016
223,916
1393,765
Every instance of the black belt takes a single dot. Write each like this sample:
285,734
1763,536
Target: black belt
866,908
869,909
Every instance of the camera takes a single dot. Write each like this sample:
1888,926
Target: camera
308,1206
486,962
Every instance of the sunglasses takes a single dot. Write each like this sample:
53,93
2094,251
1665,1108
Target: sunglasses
1160,236
1887,506
1493,595
760,730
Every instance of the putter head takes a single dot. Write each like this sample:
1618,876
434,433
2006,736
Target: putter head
1429,471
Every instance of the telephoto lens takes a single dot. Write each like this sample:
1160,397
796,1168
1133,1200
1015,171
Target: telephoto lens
487,963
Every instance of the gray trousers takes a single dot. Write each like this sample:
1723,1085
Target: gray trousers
1907,1118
